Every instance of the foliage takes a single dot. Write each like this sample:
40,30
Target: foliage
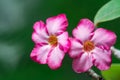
109,11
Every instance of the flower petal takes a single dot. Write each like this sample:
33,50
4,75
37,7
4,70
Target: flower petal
40,53
102,58
55,58
75,49
57,24
38,26
83,63
63,41
104,37
84,30
40,34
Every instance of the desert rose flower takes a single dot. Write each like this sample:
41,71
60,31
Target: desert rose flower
51,41
90,46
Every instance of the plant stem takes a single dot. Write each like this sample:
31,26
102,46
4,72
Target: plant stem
116,52
94,75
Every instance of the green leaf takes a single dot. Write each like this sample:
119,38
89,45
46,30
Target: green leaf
113,73
109,11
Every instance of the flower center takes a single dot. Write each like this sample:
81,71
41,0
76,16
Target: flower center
53,40
88,46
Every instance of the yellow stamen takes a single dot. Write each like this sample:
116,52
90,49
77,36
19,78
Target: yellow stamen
53,40
88,46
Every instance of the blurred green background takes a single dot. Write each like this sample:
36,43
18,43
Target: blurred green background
16,21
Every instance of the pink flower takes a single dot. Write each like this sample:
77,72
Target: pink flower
89,47
51,41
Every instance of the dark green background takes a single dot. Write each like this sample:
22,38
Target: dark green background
16,20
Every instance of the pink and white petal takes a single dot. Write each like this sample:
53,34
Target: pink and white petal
84,30
63,41
76,48
40,34
38,26
39,38
104,37
55,58
102,58
57,24
83,63
40,53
